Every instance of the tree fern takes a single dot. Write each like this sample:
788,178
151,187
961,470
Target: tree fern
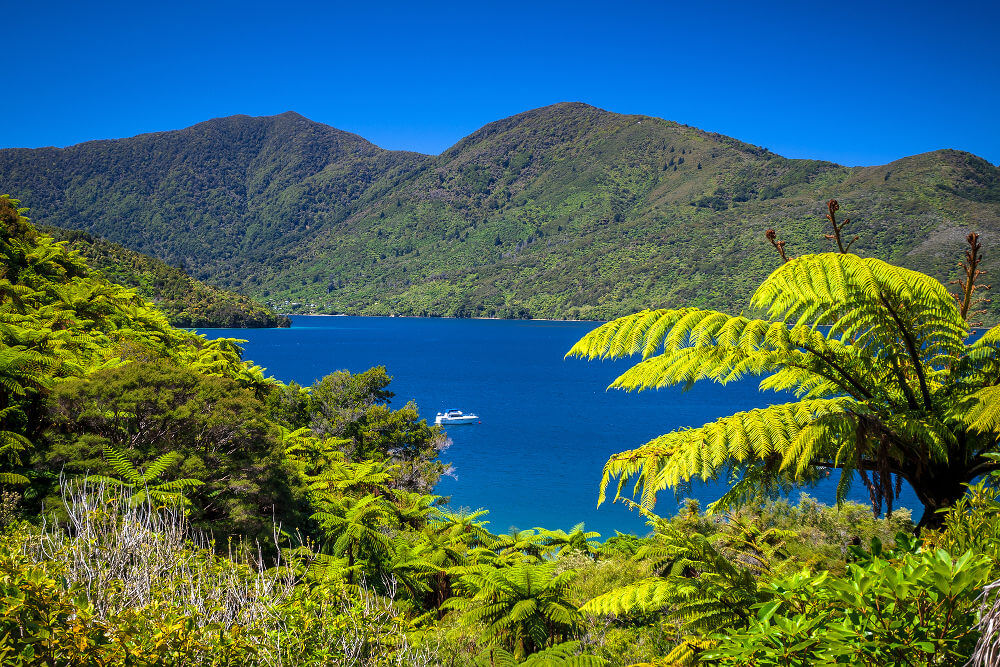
410,567
709,586
464,526
145,484
525,607
565,654
354,527
877,355
577,539
13,447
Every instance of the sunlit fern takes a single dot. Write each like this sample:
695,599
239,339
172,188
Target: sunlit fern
524,607
464,526
577,539
888,387
984,410
710,585
566,654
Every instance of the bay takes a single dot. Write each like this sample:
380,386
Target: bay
547,423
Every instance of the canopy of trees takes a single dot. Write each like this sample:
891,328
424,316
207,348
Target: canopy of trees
163,502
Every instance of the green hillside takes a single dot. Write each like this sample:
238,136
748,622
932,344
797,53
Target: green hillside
185,301
163,503
566,211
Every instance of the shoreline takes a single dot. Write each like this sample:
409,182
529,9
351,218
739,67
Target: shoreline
452,317
436,317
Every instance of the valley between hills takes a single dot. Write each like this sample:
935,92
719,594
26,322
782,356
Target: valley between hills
565,212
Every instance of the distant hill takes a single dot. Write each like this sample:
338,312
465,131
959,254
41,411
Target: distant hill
185,301
565,212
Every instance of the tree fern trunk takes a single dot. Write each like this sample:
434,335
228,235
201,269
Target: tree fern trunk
938,491
350,564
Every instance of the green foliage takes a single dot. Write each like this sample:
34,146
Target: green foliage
355,526
820,536
338,402
577,539
984,413
904,609
185,301
368,567
328,624
560,655
711,587
354,408
750,592
21,371
201,427
566,211
146,485
883,388
45,622
463,527
58,321
39,620
524,607
132,584
697,574
971,524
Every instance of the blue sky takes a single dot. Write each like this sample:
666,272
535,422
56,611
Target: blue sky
852,82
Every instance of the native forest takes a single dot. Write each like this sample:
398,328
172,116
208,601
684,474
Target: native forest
164,502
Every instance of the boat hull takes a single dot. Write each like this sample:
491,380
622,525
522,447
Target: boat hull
456,421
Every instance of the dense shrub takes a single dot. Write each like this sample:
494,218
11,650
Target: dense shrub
146,409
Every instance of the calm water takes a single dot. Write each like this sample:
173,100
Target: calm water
548,425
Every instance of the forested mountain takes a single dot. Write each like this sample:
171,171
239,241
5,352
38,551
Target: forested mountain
162,502
565,211
185,301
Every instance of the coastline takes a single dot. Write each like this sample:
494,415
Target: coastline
439,317
972,330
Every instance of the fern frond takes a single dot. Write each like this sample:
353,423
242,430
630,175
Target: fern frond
868,300
122,465
647,595
13,478
627,336
684,654
709,587
155,469
676,458
177,485
563,655
12,444
104,480
983,415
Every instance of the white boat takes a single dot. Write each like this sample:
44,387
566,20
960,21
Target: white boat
455,417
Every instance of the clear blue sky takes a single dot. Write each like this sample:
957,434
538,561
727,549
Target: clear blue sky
852,82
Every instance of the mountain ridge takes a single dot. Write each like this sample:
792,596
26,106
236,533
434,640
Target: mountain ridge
563,211
294,115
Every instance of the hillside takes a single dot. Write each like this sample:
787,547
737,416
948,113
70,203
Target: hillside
185,301
161,500
566,211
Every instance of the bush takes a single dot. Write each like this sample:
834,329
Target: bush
910,608
148,408
125,583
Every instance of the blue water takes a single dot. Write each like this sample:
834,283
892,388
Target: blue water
548,425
